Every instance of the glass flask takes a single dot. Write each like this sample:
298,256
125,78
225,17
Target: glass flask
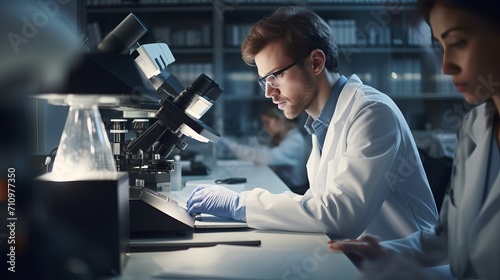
84,147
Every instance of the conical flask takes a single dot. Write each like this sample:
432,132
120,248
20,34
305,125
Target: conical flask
84,148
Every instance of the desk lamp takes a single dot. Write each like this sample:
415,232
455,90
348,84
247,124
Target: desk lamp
98,80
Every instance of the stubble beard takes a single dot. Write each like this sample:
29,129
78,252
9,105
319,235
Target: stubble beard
302,99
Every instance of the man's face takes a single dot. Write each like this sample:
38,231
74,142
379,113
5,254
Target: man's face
295,88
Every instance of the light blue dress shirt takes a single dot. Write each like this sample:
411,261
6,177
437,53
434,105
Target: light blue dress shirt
319,127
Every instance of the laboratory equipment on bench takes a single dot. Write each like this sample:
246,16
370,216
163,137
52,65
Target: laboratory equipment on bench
122,75
152,212
178,115
178,110
232,180
146,156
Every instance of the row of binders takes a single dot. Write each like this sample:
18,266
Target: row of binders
235,2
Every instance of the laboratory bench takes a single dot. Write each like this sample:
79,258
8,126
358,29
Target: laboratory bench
240,253
281,255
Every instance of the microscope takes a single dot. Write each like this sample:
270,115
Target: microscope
179,112
96,197
120,74
178,115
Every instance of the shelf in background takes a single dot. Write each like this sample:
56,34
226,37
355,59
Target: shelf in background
360,49
378,40
427,96
238,98
191,51
121,8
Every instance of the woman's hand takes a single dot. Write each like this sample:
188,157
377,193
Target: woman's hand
359,251
377,262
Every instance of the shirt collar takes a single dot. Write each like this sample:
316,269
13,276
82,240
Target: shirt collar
325,116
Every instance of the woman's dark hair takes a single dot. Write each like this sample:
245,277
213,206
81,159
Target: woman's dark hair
298,29
273,112
487,9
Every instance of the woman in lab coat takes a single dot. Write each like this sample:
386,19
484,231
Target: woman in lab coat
467,235
285,151
364,170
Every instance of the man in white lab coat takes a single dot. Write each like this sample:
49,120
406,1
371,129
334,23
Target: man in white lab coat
364,171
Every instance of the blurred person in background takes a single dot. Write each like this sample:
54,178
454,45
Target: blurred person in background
284,150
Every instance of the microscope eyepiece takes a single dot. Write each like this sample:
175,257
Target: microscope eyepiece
203,86
123,37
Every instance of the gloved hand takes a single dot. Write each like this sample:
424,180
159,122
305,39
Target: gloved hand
223,146
212,199
222,142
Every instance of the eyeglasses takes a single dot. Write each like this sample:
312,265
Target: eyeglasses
271,79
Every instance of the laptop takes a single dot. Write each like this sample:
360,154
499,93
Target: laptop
206,221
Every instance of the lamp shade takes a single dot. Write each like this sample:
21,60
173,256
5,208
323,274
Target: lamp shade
111,80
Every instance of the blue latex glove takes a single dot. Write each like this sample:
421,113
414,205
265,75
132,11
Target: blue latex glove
212,199
222,142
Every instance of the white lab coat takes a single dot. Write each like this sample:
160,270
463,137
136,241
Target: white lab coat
467,232
368,178
288,158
